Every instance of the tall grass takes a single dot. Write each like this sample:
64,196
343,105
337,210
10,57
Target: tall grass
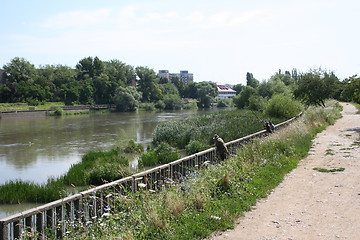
96,167
18,191
211,199
229,125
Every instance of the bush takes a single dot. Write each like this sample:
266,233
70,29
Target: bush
173,102
148,106
92,167
58,111
107,173
195,146
224,103
257,103
133,147
160,105
190,105
162,154
281,106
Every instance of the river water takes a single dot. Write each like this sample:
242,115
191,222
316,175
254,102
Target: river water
35,149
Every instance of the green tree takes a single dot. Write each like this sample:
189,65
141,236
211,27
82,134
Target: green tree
63,75
251,81
103,87
242,100
190,91
19,73
179,84
315,87
238,88
127,99
90,67
147,84
206,93
173,102
350,89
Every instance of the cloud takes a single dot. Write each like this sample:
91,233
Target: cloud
225,19
80,18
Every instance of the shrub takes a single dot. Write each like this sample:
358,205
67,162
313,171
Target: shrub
107,173
162,154
160,105
195,146
224,103
91,167
190,105
173,102
148,106
281,106
58,111
133,147
257,103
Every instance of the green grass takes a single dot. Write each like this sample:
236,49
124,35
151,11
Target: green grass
25,106
329,170
15,192
213,197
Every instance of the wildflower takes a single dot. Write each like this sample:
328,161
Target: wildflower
215,217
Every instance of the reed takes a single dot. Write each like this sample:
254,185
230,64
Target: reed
96,167
14,192
229,125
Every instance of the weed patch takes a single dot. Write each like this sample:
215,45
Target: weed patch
329,170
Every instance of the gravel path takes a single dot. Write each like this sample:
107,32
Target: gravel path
309,204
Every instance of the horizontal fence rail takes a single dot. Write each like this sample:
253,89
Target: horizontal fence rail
52,220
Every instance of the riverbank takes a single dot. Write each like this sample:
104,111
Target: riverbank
323,205
212,199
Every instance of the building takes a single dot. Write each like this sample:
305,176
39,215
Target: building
184,75
224,92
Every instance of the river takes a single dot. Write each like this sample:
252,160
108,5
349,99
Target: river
35,149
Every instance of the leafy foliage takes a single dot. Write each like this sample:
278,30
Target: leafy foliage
162,154
315,87
127,99
281,106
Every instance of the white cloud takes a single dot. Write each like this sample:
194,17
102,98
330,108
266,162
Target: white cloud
79,18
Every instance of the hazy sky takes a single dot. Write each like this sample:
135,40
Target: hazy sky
215,40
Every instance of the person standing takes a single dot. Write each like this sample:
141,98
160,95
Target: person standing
221,148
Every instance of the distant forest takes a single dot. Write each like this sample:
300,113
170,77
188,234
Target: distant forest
94,81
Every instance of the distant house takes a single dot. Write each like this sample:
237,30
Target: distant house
224,92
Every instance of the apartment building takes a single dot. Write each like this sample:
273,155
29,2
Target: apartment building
184,75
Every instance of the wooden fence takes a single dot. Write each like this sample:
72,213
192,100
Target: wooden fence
52,220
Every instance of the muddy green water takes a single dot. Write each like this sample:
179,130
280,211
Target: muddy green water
35,149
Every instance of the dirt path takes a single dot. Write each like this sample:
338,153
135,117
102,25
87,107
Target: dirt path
309,204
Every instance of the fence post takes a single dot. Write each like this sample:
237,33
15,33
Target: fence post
3,230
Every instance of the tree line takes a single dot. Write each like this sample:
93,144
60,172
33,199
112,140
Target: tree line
94,81
286,89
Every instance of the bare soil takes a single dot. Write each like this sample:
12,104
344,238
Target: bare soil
310,204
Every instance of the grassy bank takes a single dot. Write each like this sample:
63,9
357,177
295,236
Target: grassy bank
96,167
213,198
25,106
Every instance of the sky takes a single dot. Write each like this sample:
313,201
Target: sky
216,40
